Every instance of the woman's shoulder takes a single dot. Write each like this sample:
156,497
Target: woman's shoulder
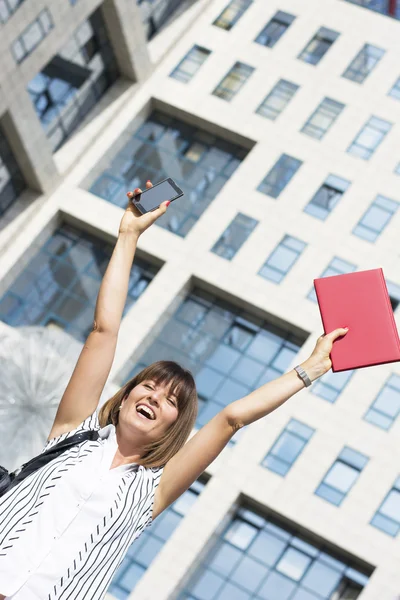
89,424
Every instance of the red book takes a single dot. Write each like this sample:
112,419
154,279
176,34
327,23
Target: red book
359,301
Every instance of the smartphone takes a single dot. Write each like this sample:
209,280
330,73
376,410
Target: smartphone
151,198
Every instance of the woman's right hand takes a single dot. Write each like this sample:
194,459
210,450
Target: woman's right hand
133,221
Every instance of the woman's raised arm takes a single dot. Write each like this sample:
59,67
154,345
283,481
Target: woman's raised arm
83,391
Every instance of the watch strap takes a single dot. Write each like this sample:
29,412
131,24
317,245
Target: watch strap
303,375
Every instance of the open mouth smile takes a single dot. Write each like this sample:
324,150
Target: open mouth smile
146,412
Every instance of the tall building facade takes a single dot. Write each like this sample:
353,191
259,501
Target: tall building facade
280,121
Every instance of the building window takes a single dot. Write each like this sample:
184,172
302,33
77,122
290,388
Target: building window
288,447
257,556
8,8
200,162
277,100
369,138
229,351
327,197
12,183
282,259
386,406
275,29
331,385
322,118
387,517
157,13
232,13
337,266
397,169
60,283
364,63
342,476
233,81
142,552
395,91
385,7
32,36
280,175
318,46
394,294
70,85
192,62
234,236
376,218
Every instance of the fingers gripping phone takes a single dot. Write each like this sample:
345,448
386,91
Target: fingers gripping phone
151,198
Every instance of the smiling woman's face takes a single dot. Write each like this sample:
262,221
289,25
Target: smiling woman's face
149,408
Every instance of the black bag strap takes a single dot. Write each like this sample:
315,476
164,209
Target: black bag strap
48,455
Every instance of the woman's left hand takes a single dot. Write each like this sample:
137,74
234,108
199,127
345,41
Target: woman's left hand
320,362
133,221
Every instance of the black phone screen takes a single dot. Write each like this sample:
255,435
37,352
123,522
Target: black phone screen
151,198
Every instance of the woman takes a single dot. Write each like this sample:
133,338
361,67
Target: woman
65,529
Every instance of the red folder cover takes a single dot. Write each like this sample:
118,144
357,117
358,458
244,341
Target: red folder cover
359,301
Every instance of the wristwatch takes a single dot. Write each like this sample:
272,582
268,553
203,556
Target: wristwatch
303,375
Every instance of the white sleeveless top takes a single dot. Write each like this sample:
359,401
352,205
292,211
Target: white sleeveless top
65,529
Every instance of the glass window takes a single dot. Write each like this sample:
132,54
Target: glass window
337,266
60,283
288,447
31,37
394,294
282,259
327,197
318,46
395,91
331,385
387,517
376,218
232,13
280,175
70,85
369,138
12,183
156,13
397,169
8,8
260,557
277,100
364,63
233,81
234,236
192,62
275,29
382,6
200,162
386,406
230,352
322,118
342,476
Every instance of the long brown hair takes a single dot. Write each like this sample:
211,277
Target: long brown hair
182,384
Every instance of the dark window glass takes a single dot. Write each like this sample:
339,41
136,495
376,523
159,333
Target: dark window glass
232,13
275,29
142,552
8,8
192,62
382,6
337,266
282,259
288,447
386,406
280,175
12,182
318,46
387,517
327,197
234,236
376,218
369,138
200,163
233,81
323,118
364,63
60,283
229,351
394,294
70,85
258,557
342,476
277,100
